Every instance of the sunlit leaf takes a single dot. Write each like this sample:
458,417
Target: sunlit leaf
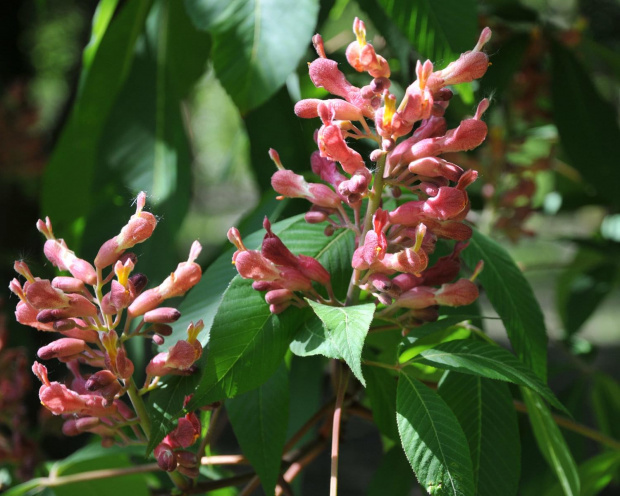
513,300
485,360
346,329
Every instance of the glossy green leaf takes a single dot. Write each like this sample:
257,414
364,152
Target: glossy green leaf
381,391
485,360
433,440
143,146
513,300
257,44
551,443
437,30
259,419
393,476
346,329
73,162
575,99
414,346
595,474
487,415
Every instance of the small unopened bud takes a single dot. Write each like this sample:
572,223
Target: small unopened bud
278,296
158,340
166,457
164,315
187,459
161,329
139,282
329,230
74,427
315,217
99,380
191,472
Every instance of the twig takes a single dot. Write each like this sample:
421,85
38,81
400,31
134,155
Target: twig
207,439
224,460
573,426
343,380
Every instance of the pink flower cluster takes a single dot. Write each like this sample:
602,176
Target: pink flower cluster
393,246
93,313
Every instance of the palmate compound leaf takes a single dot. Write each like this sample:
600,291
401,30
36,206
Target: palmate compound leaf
486,360
513,300
345,329
433,440
485,410
244,343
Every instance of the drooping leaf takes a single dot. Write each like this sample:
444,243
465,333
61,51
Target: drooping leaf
513,300
433,440
257,44
575,99
381,391
438,30
485,360
73,162
551,443
393,476
259,419
487,415
595,474
346,329
143,145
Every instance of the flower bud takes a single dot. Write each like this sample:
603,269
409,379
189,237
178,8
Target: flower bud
69,285
278,296
416,298
161,329
460,293
137,283
164,315
75,427
187,459
139,228
166,457
100,380
63,347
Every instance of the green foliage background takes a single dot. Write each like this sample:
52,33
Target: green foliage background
182,99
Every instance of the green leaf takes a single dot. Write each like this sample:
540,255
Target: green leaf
259,419
590,143
551,443
95,457
437,30
143,145
413,346
513,300
487,415
314,339
393,476
257,44
486,360
595,474
346,329
381,391
73,162
433,440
